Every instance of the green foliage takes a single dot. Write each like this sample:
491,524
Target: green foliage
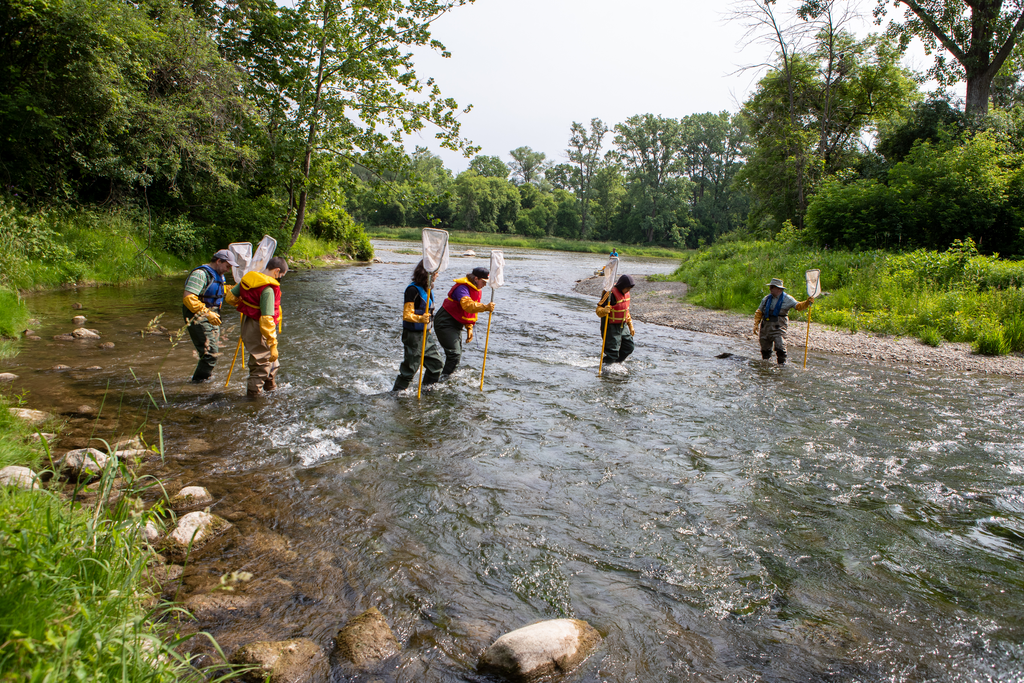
931,336
337,227
486,204
181,237
13,313
489,166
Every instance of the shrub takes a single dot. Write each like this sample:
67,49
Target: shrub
931,336
181,237
991,342
1013,333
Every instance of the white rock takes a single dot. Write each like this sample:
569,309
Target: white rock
78,320
191,497
82,333
194,530
151,532
45,435
22,477
557,645
7,377
84,463
31,416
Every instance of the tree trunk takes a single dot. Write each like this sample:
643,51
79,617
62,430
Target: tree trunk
978,87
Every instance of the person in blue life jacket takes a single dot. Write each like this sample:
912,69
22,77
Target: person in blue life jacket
772,316
415,314
459,311
614,254
200,306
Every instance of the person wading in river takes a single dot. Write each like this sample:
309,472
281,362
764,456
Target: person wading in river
613,310
459,311
414,316
772,316
258,298
200,304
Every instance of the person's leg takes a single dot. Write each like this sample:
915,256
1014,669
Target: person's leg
205,338
626,345
612,342
411,342
260,370
779,340
449,335
764,338
432,363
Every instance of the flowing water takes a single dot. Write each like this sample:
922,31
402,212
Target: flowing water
714,519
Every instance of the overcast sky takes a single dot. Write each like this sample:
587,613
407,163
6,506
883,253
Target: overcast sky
532,67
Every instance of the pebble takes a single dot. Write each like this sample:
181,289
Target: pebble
78,320
107,345
60,368
93,368
7,377
83,333
77,306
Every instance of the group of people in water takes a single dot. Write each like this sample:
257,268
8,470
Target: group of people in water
258,298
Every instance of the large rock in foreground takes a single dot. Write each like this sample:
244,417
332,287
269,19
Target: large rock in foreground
194,530
84,464
367,639
541,649
190,498
33,417
288,661
21,477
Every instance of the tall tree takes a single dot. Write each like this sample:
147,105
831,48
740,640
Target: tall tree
979,34
585,154
527,166
714,150
489,166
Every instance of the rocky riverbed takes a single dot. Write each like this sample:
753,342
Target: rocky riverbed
661,303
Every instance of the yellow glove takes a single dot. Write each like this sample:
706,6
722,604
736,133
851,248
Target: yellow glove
603,311
469,334
629,323
268,328
193,304
470,306
804,304
213,317
231,299
273,352
758,314
409,314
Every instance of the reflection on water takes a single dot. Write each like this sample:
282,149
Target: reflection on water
715,519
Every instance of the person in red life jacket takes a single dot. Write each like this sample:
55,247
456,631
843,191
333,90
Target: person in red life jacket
613,310
200,305
458,312
414,316
258,298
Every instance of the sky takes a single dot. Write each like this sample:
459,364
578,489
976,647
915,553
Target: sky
532,67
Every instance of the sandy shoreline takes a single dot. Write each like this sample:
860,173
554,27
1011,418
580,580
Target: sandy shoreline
660,303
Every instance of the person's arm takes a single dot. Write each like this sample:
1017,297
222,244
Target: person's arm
758,314
602,310
409,314
194,286
801,305
268,328
231,296
470,306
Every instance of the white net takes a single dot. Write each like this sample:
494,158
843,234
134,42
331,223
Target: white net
264,252
813,283
435,250
611,272
497,278
242,252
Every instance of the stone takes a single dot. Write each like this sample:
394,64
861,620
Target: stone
189,498
34,417
22,477
367,639
78,320
64,337
194,530
45,435
288,661
151,532
7,377
93,368
60,368
218,606
77,306
107,345
83,333
34,337
27,333
541,649
84,463
32,321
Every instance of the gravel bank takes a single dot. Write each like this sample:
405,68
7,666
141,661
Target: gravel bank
661,303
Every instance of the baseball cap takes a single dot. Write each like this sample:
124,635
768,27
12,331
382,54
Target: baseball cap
225,255
481,273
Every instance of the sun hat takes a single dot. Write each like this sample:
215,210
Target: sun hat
225,255
776,282
481,273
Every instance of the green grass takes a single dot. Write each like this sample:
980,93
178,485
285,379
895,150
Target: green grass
309,248
956,295
13,316
518,241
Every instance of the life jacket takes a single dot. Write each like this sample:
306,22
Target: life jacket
419,307
778,306
251,289
213,295
620,308
455,308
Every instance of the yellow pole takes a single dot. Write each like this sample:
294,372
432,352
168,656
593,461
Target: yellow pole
604,337
808,339
237,347
487,340
423,346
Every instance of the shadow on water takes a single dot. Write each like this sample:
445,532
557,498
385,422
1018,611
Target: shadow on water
714,518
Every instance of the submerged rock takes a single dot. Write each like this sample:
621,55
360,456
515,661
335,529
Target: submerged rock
367,639
7,377
83,333
541,649
288,661
189,498
84,463
151,532
44,435
107,345
22,477
60,368
77,306
93,368
78,320
194,530
33,337
64,337
31,416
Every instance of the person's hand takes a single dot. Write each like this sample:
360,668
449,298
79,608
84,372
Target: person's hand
273,353
213,317
490,307
630,324
757,324
603,311
469,334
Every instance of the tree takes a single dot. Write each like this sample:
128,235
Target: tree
489,167
486,204
527,166
714,149
979,34
585,153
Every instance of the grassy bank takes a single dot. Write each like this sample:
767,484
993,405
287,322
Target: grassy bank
956,295
71,582
491,239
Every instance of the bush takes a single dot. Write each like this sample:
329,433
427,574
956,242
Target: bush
991,342
931,336
181,237
338,227
1013,333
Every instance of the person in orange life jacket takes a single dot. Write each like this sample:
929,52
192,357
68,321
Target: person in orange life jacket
258,297
459,311
772,316
414,316
613,310
200,305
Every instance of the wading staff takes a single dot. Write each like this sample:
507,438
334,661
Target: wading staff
496,279
237,347
435,253
610,271
807,339
813,278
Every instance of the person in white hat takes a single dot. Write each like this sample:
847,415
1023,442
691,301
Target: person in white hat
200,304
772,316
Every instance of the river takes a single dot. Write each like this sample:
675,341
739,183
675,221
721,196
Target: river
715,519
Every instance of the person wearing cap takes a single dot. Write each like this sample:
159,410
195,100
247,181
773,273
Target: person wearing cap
258,298
414,316
613,309
772,316
458,312
200,305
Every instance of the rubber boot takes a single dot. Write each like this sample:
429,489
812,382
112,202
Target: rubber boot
270,384
765,355
781,355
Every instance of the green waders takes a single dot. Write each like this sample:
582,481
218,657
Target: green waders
619,343
413,343
206,338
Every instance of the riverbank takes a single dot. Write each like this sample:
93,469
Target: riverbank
662,303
